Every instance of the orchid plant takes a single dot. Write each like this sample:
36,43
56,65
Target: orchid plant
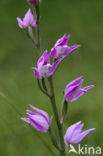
46,67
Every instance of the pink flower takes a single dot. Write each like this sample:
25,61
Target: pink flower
33,2
74,134
73,90
44,68
38,119
28,20
61,48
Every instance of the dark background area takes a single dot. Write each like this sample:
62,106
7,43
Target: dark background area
83,19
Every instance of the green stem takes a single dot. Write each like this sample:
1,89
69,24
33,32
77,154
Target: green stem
54,139
42,89
38,26
32,38
55,111
67,149
31,35
64,111
44,85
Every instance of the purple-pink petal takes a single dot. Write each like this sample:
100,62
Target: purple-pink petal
73,48
68,50
44,59
53,67
54,53
40,122
20,22
76,140
41,112
36,73
70,131
27,120
63,40
37,126
75,82
28,112
77,130
29,20
78,95
85,89
70,93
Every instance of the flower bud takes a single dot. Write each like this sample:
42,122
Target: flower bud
33,2
28,21
73,90
38,119
74,134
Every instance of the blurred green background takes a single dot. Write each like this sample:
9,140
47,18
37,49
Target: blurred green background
83,19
